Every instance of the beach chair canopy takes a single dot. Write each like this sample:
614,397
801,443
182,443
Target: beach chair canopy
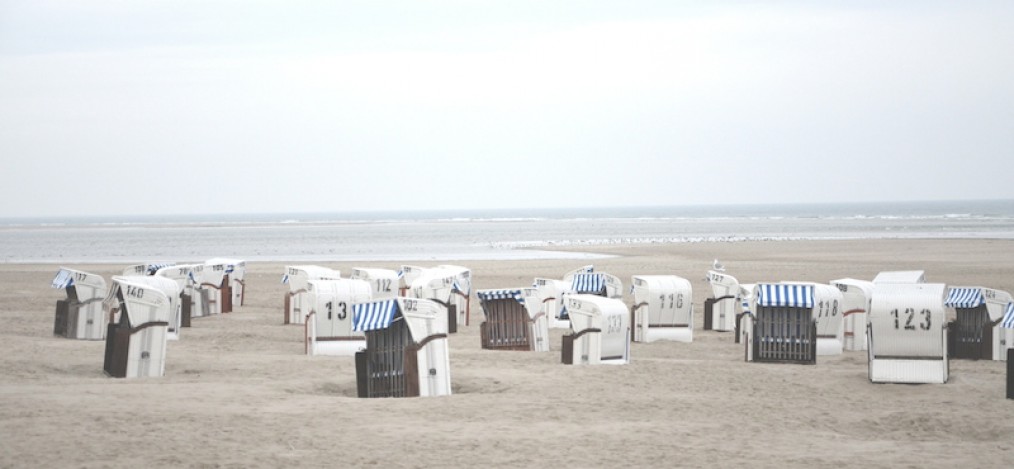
964,298
785,295
1008,317
153,293
420,314
374,315
516,294
588,283
69,277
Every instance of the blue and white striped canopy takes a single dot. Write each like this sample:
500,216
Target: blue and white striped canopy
780,294
964,298
588,283
516,294
374,315
1008,317
64,278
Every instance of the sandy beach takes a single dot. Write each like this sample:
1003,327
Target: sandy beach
239,392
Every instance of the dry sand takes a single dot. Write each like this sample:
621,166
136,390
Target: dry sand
238,391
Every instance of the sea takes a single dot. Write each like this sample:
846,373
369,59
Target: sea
480,234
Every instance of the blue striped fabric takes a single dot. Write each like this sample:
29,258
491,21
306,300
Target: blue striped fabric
780,294
515,293
373,315
64,278
457,287
588,283
964,298
285,278
1008,317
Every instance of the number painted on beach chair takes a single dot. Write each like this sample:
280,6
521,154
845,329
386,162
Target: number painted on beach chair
908,315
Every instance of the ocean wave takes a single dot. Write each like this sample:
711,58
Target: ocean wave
656,240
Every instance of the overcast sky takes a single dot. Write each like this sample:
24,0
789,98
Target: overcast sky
216,106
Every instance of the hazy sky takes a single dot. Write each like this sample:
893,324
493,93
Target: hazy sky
216,106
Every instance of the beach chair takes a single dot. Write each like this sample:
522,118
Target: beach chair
976,333
783,324
406,351
663,308
600,331
461,291
141,311
856,298
297,277
550,298
406,275
193,300
721,310
583,280
437,285
80,315
539,319
746,300
383,282
907,333
215,279
509,324
328,328
235,272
